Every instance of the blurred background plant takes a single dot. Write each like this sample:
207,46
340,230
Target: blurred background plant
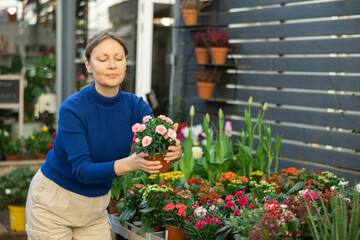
14,187
38,143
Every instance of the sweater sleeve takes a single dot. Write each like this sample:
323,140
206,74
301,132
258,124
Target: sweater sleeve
142,109
73,131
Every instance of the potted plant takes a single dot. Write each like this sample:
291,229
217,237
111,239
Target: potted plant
202,53
218,41
14,188
13,146
39,142
205,81
191,8
154,136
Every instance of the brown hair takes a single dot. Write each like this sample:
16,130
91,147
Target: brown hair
99,37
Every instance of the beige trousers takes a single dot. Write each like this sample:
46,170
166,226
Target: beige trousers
54,213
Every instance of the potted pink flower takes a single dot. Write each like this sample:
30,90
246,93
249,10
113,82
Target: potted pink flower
154,136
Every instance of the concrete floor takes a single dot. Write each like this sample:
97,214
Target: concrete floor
5,232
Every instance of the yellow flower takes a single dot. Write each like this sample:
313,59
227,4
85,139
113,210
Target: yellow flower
250,101
207,118
221,114
44,129
265,106
192,111
32,137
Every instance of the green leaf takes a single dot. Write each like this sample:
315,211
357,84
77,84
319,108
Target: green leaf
293,224
149,209
296,187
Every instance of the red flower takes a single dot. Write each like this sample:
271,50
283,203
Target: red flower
237,212
170,206
199,224
182,212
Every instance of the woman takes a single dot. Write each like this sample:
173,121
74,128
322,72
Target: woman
69,195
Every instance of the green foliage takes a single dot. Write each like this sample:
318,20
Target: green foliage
13,145
256,161
14,187
333,221
40,78
39,142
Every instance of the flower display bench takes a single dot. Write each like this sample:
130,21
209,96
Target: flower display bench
128,230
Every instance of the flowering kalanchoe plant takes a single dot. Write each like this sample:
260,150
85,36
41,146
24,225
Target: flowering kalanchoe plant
154,135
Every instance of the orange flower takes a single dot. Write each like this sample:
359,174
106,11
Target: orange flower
228,176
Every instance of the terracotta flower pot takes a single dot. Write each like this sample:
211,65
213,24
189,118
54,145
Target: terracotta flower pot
202,55
40,156
190,16
174,233
159,157
13,158
205,89
219,54
112,206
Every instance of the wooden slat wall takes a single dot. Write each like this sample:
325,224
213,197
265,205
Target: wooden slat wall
303,59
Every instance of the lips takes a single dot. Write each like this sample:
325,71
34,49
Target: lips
112,75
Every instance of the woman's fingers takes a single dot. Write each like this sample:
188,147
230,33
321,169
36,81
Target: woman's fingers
176,125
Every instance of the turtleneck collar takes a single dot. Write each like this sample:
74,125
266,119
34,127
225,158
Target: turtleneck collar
105,101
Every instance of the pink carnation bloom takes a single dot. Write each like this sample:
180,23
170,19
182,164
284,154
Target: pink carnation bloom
146,141
229,197
169,120
237,212
220,201
239,193
199,224
162,117
230,204
181,212
242,201
172,134
142,127
161,129
146,118
136,127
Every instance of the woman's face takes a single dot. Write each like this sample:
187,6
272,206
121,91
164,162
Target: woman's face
107,64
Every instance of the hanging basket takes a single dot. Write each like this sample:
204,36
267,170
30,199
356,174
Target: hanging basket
202,55
205,89
190,16
17,218
219,55
165,164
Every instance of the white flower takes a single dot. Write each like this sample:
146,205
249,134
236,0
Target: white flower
200,212
197,152
213,207
358,187
341,183
7,191
333,188
283,206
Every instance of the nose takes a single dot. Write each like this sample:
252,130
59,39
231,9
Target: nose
111,63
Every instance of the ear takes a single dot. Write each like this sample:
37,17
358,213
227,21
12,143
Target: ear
87,65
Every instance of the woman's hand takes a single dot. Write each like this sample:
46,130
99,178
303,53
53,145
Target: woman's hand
174,153
136,162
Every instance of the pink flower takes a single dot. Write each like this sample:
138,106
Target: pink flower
169,120
146,141
229,197
239,193
195,206
172,134
220,201
146,118
131,192
242,201
230,204
228,128
136,127
237,212
162,117
199,224
142,127
161,129
252,206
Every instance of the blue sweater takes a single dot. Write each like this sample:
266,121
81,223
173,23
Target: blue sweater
93,132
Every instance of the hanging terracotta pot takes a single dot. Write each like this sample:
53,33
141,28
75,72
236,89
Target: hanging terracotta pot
202,55
174,233
219,54
40,156
13,158
190,16
165,164
112,206
205,89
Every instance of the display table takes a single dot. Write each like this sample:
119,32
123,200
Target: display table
128,230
